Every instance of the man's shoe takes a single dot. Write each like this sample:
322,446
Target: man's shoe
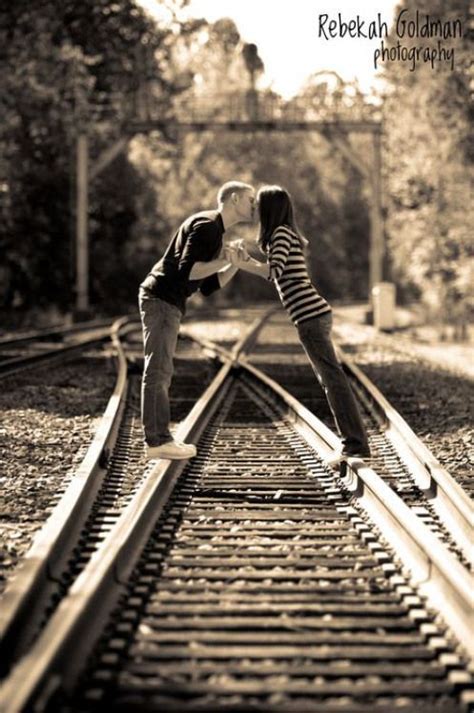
360,456
172,450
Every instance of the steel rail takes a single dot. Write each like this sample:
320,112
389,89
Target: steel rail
449,500
72,630
433,568
28,592
60,353
56,331
242,347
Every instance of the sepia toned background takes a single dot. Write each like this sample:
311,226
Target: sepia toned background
125,73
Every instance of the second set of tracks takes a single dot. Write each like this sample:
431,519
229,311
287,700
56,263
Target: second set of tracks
250,578
54,345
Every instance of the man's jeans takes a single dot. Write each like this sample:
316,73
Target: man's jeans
160,322
315,335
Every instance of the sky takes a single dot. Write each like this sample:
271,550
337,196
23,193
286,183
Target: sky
286,34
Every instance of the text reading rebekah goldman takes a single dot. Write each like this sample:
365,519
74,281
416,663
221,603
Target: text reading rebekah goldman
408,26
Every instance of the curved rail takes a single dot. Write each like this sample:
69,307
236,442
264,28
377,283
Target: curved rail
13,365
74,628
25,598
38,335
434,569
447,497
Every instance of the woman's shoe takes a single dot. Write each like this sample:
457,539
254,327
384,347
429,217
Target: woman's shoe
338,458
335,460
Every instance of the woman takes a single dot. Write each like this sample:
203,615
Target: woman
283,246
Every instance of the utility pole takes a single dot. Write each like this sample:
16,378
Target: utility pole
376,222
82,211
81,121
373,176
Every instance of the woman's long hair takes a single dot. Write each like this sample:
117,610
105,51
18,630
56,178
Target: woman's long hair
275,208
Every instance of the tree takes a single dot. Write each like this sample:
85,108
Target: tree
429,161
330,204
67,64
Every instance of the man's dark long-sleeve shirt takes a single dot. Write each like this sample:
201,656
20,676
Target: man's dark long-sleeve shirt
198,239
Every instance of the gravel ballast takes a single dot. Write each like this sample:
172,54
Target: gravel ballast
435,400
48,419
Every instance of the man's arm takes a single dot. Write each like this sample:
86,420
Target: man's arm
198,259
200,270
223,276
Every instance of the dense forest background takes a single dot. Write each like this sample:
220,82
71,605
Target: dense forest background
69,65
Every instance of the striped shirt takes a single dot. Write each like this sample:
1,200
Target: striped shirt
289,272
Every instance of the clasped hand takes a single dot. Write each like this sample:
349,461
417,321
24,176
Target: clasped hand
236,252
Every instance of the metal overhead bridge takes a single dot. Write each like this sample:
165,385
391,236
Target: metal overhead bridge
254,111
335,115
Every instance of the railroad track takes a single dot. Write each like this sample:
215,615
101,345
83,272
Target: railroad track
56,332
445,497
398,455
42,575
253,578
104,482
91,503
50,345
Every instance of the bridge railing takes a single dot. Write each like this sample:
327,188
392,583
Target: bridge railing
144,106
254,106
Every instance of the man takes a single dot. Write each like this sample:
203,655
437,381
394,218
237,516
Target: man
194,260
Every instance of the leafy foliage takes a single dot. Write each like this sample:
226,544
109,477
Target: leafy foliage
429,159
330,204
68,66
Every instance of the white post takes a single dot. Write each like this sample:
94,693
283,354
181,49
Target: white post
383,301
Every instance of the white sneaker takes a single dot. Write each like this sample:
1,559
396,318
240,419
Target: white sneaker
335,460
338,458
172,450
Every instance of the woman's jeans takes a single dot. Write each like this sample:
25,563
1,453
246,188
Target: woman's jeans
160,323
315,335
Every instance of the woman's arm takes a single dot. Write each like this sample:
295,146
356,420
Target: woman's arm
254,266
280,245
224,276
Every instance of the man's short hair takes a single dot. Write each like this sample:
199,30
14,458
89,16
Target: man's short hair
231,187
